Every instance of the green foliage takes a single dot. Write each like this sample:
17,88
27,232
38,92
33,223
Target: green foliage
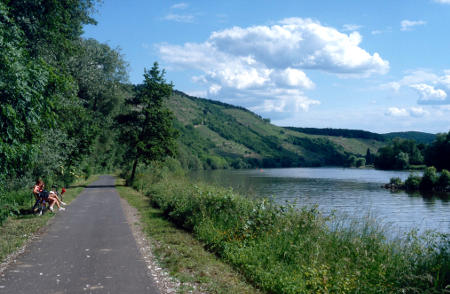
370,158
360,162
419,137
147,129
412,183
429,179
340,133
396,182
398,155
287,250
438,152
402,160
58,94
443,183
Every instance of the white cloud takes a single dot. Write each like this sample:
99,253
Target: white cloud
442,1
411,77
351,27
265,65
407,112
181,5
418,111
376,32
429,93
292,77
399,112
431,88
186,18
407,25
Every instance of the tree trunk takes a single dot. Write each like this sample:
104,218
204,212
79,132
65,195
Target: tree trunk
133,172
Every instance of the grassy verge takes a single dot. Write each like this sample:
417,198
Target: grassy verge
17,229
286,250
183,255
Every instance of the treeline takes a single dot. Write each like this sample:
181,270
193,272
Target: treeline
346,133
61,99
404,154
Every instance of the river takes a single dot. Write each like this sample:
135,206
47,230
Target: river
352,193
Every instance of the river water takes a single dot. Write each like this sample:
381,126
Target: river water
352,193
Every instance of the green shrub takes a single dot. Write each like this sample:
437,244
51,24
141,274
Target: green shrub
443,183
429,179
283,249
412,183
397,182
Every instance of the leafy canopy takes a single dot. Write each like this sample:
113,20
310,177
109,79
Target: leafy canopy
147,129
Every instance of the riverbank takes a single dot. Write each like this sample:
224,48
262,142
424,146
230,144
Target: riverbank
285,250
197,270
17,230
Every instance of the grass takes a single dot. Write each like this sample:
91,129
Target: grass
183,255
17,229
285,250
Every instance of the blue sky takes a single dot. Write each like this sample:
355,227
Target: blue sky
380,66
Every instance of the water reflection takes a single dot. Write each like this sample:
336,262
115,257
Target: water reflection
353,192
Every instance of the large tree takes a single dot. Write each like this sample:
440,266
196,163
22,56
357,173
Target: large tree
147,128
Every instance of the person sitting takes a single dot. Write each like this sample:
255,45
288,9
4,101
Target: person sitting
43,197
40,195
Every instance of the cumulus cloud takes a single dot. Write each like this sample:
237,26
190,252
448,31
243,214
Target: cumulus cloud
429,93
418,111
431,88
395,111
252,61
407,25
407,112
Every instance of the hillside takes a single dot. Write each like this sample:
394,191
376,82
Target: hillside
420,137
218,135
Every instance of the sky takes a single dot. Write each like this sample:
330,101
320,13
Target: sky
380,66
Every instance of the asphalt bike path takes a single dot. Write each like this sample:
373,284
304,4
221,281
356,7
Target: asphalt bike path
89,248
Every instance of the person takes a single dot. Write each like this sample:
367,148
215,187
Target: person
53,198
40,195
43,196
58,196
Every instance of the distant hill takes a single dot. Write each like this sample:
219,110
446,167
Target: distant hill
420,137
219,135
346,133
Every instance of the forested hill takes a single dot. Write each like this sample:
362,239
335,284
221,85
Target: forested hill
218,135
419,137
360,134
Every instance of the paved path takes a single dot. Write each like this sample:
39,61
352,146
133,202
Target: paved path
89,248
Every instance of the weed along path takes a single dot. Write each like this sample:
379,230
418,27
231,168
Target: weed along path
89,248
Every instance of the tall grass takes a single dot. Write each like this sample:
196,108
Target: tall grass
281,249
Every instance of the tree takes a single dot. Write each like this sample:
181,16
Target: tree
437,154
429,179
147,129
401,160
370,158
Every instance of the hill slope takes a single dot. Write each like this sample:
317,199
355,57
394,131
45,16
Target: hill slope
420,137
219,135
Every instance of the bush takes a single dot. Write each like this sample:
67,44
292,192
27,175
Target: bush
443,183
429,179
360,162
412,183
396,182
